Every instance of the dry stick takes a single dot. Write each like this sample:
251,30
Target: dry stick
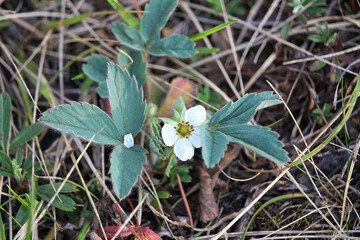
8,54
96,173
84,184
197,24
291,45
37,90
91,31
261,70
203,78
255,34
232,44
252,13
31,15
276,22
128,219
330,55
353,157
313,204
155,194
183,195
293,222
283,41
65,179
20,234
307,146
248,207
61,52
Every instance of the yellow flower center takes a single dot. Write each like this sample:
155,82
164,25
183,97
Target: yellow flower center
184,129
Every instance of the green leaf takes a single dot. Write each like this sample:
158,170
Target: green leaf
203,50
2,229
203,34
17,171
26,135
127,17
126,165
137,67
6,173
243,109
285,30
331,39
96,69
5,118
19,156
67,21
316,38
259,139
128,36
214,144
103,90
126,101
155,18
83,120
5,160
61,201
172,163
173,46
67,188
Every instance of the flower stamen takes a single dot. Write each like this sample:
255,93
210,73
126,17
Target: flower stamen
184,129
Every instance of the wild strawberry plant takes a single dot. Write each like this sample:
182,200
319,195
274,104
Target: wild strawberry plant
187,130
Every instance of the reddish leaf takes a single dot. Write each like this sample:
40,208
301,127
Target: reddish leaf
147,234
183,84
110,232
143,233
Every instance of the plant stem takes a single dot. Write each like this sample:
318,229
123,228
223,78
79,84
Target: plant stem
187,207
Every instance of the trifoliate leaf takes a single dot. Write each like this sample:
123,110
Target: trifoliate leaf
214,144
137,67
96,68
243,110
5,118
154,19
83,120
174,46
126,165
259,139
26,135
126,101
128,36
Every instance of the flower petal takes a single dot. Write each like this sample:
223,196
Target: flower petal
128,140
183,149
195,115
169,135
195,138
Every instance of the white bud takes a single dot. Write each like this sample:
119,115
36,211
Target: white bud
128,140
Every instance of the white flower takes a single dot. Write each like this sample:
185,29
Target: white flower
128,140
185,135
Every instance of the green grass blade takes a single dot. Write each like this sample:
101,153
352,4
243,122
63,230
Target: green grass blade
5,118
127,17
271,201
67,21
350,106
203,34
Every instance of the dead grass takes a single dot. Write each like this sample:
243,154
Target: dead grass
254,57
